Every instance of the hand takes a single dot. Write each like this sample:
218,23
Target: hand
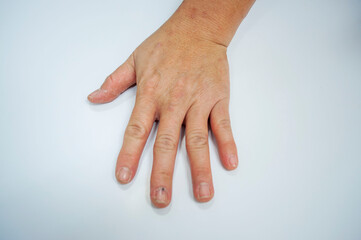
181,78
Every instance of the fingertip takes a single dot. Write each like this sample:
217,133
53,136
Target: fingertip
204,192
101,96
124,175
94,96
160,197
230,162
91,96
228,154
160,205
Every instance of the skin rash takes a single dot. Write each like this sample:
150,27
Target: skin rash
182,78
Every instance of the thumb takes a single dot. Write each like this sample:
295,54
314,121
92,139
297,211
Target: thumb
116,83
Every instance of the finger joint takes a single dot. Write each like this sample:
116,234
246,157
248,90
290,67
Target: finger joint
224,123
137,130
197,139
165,143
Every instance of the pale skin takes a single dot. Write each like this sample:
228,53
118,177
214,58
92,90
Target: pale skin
182,78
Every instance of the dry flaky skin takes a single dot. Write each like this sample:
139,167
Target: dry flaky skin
181,72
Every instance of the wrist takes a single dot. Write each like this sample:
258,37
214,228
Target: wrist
211,20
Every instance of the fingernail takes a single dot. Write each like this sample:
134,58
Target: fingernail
204,191
233,161
96,93
160,195
93,94
124,175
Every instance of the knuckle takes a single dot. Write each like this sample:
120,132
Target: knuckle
163,174
203,172
146,91
146,100
197,139
110,81
178,90
224,123
136,130
178,96
125,157
110,78
148,84
165,142
151,83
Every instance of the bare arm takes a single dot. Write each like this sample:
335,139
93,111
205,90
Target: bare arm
215,20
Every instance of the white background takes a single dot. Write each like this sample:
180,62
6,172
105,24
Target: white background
295,110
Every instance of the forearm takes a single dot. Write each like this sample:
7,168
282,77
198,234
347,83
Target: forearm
215,20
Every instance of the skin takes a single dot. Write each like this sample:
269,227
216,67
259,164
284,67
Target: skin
182,78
